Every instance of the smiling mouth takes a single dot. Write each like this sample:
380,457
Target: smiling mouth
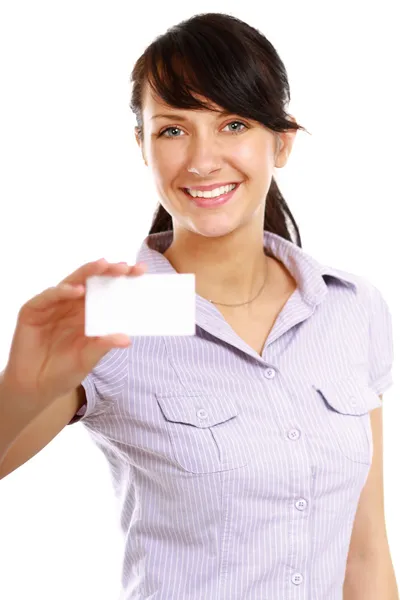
234,183
212,202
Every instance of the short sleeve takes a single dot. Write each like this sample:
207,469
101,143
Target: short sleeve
91,403
380,342
103,384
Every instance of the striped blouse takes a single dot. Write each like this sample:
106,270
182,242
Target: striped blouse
238,475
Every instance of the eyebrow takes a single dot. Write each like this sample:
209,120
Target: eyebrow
178,117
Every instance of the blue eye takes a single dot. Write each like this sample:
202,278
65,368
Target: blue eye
168,129
240,123
162,134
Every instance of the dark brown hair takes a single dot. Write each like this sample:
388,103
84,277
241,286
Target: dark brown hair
232,64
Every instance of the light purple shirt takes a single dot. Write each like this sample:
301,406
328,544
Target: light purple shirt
239,475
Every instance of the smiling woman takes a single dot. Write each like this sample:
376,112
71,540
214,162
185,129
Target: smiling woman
238,453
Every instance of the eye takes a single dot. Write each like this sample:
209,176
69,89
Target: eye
240,123
169,129
162,134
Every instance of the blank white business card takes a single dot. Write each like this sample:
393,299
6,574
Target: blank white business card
151,304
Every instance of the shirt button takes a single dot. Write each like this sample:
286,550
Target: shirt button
297,578
353,401
270,373
202,414
301,504
293,434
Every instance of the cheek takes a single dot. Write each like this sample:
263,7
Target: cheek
166,165
249,159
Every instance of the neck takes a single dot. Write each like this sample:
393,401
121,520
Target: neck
229,269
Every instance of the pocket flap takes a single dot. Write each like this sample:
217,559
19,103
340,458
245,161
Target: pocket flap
200,410
349,396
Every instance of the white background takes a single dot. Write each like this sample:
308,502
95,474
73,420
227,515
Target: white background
73,188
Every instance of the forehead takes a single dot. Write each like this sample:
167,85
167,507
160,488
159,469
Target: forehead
154,104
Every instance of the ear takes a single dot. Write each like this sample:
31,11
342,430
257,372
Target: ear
139,143
284,143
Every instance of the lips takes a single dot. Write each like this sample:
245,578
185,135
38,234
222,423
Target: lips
212,202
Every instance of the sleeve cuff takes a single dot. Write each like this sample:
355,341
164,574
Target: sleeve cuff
383,384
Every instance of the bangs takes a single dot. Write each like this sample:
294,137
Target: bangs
199,71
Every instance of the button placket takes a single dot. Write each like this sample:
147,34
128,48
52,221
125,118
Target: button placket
301,504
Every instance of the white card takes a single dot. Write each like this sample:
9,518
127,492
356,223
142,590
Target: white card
149,304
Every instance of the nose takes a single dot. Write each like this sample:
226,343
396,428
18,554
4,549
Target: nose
203,159
203,172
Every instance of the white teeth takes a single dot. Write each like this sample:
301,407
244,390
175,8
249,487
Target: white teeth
213,194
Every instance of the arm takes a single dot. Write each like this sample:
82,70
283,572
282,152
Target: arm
26,428
369,572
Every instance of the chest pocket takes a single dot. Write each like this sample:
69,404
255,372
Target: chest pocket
205,431
348,402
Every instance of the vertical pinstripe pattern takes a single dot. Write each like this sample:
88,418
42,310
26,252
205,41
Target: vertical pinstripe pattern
238,476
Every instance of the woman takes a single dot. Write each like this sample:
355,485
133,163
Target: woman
238,454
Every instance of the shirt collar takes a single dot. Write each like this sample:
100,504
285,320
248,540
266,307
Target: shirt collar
310,275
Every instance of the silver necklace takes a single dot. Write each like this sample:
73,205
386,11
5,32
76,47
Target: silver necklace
220,303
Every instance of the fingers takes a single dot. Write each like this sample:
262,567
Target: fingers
74,286
54,294
102,267
117,339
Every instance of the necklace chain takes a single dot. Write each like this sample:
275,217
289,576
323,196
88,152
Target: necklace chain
243,303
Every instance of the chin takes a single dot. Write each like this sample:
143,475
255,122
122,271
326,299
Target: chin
212,230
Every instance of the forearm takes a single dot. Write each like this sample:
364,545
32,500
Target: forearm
371,579
17,411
